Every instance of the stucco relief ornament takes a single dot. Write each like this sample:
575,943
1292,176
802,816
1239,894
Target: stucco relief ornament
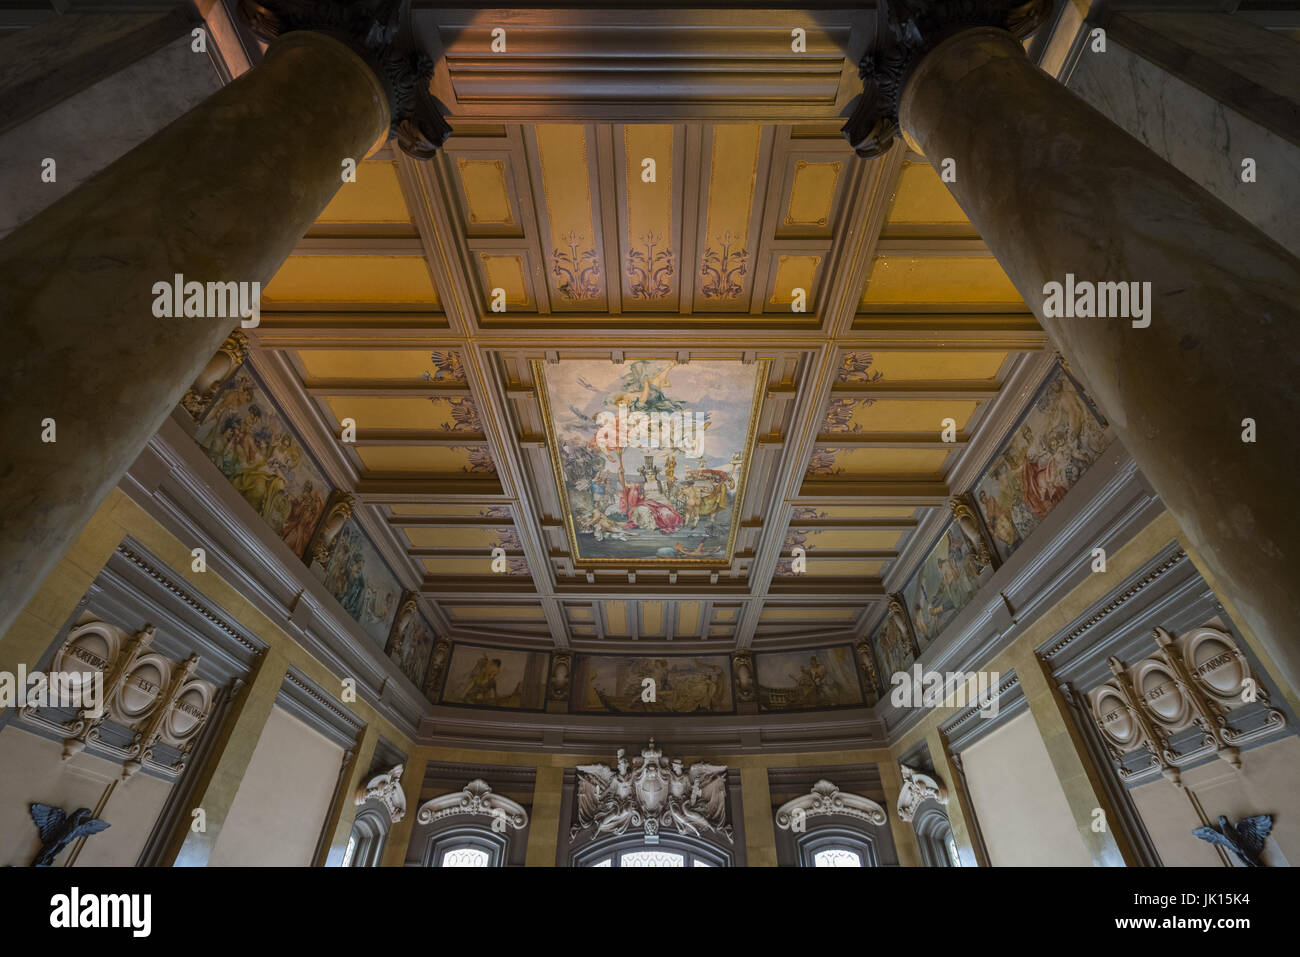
379,31
827,798
964,516
910,29
477,799
387,790
650,793
917,789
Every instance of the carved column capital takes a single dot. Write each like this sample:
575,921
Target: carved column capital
908,30
379,31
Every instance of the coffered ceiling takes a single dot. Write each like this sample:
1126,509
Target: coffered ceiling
751,205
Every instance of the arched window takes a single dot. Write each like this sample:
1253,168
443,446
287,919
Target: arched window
935,837
631,850
366,842
836,847
469,845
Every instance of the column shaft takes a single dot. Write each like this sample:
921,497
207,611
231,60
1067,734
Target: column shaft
221,195
1055,188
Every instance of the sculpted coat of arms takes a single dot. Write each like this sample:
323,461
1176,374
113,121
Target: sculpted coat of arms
650,793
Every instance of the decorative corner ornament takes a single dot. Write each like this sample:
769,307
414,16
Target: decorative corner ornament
387,790
379,31
826,798
911,29
916,790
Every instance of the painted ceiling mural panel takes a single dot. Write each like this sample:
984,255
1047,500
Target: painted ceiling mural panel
496,678
247,437
893,649
359,578
1059,436
682,684
808,679
411,644
650,456
944,584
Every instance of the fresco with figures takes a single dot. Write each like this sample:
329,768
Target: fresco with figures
651,456
496,678
815,678
245,435
893,650
1050,449
411,646
944,584
362,582
683,684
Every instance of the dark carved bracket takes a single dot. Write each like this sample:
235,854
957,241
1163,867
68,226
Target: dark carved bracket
379,31
911,29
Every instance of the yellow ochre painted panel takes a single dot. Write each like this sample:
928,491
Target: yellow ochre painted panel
496,611
850,569
566,188
923,199
733,170
936,365
506,271
911,415
947,280
353,279
388,412
842,512
873,462
794,614
580,614
424,537
375,197
486,193
794,272
652,616
812,193
452,511
420,458
852,539
460,566
388,364
650,272
688,617
616,618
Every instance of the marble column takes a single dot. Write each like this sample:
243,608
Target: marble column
221,195
1057,189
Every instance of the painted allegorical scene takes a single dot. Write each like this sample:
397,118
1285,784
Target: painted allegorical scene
496,678
245,436
893,650
362,582
411,644
1055,443
682,684
944,584
816,678
651,455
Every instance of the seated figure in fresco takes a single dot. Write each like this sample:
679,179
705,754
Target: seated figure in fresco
483,681
304,509
648,513
999,519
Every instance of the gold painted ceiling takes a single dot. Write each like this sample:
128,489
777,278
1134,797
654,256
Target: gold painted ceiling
420,301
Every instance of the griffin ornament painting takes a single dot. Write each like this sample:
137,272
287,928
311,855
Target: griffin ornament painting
651,455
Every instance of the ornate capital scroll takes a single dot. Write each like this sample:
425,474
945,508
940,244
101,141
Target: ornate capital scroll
379,31
909,30
916,790
742,666
561,670
387,790
220,367
964,515
826,798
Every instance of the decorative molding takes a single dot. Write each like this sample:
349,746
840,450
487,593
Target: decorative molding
387,790
309,703
826,798
649,794
476,799
1115,603
918,788
142,563
912,28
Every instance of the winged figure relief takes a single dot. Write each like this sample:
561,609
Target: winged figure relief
59,829
1246,839
652,793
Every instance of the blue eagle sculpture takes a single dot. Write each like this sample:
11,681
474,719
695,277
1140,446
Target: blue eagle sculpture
1246,840
58,829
